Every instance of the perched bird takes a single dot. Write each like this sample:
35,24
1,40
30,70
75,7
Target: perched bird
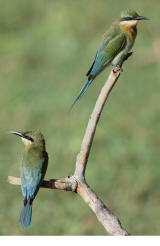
33,169
117,42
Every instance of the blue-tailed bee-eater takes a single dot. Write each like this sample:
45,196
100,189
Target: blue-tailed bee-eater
117,42
33,169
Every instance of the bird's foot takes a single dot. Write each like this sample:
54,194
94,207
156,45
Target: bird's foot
117,68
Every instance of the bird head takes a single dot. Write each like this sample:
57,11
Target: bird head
31,139
131,18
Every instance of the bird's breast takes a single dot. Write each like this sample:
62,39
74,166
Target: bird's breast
33,158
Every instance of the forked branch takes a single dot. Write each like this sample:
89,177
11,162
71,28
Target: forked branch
77,182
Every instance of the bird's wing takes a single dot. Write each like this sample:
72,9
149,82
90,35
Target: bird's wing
108,36
31,178
45,164
106,53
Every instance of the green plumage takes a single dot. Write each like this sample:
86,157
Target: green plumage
115,46
33,169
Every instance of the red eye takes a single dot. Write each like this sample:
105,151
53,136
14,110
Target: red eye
128,18
29,138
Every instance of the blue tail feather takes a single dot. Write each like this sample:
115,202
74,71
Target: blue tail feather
26,214
84,88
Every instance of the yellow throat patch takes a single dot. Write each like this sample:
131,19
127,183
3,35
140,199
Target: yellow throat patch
26,142
128,26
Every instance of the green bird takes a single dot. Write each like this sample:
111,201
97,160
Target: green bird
118,41
33,169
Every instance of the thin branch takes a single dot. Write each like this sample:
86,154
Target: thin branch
82,157
110,222
77,182
67,184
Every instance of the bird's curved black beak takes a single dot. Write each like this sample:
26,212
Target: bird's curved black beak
141,18
20,134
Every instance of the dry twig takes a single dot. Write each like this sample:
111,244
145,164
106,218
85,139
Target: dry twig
77,182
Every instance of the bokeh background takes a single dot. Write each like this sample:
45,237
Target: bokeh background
46,47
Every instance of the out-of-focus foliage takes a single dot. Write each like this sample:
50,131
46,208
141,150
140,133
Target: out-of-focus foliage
46,47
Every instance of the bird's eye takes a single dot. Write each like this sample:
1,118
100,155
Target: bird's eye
128,18
29,138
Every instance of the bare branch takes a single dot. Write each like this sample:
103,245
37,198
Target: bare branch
82,157
109,221
77,182
68,184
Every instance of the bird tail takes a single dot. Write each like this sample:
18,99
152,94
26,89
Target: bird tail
26,214
84,88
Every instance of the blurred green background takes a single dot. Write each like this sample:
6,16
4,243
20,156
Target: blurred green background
46,47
